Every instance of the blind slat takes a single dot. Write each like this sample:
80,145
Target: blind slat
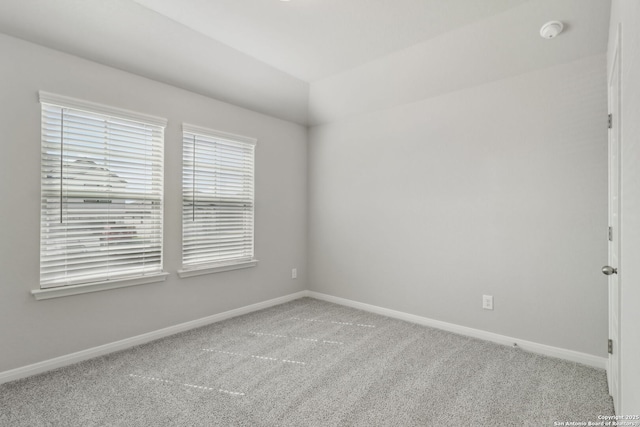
102,196
218,200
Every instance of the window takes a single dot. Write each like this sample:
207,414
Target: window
102,191
218,201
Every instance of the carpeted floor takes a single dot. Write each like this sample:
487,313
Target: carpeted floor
311,363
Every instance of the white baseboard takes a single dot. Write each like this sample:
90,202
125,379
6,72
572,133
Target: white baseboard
547,350
69,359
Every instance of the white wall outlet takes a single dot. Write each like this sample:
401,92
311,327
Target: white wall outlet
294,273
487,302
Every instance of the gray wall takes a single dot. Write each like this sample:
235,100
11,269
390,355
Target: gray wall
627,14
498,189
32,330
127,35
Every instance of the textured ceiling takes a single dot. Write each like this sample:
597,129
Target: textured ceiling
312,39
495,48
314,58
125,35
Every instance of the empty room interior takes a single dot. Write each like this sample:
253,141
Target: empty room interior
320,213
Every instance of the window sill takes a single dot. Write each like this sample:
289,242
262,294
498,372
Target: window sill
199,271
65,291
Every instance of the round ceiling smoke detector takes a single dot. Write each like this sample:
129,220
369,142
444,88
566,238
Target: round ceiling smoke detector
551,29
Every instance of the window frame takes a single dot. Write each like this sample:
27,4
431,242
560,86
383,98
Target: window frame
104,282
203,268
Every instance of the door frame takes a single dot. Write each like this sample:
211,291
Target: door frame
614,376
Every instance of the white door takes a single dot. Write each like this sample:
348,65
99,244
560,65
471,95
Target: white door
613,371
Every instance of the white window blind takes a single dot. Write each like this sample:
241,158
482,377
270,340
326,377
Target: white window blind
102,193
218,198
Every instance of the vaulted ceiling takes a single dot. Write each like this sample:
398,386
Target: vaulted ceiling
312,39
265,54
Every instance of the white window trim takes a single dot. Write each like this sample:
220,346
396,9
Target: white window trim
204,269
68,102
65,291
68,290
201,271
187,128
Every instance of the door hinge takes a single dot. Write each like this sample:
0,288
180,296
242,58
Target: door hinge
610,121
610,346
610,234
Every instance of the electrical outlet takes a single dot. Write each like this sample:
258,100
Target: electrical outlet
294,273
487,302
